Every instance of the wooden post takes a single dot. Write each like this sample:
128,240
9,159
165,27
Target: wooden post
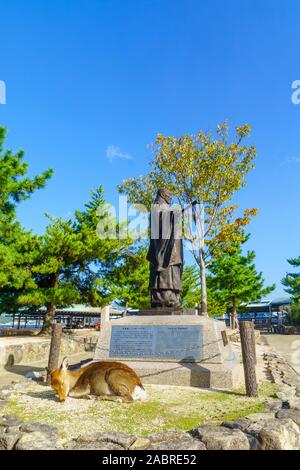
248,352
54,348
254,343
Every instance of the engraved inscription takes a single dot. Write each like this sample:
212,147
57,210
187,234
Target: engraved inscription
157,342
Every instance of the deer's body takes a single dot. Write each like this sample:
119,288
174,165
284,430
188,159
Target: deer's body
108,380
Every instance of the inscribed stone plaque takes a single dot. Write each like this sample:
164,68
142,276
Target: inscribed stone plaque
157,342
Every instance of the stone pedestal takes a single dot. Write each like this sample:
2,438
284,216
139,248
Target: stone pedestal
171,349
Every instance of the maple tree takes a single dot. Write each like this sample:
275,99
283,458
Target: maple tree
210,170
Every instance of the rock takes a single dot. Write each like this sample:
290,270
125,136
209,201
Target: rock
40,427
10,420
287,394
186,443
294,403
12,430
141,443
222,438
119,438
286,436
272,434
240,424
273,405
291,381
8,440
94,446
168,436
292,414
37,441
253,442
260,416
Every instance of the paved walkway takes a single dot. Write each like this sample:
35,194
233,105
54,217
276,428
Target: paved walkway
287,345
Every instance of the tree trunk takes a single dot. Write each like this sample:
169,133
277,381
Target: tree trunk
202,262
203,284
233,316
48,320
125,309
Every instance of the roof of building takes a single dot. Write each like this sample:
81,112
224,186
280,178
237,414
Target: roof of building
277,302
82,308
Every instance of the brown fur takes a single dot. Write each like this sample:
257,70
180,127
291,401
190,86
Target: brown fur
108,380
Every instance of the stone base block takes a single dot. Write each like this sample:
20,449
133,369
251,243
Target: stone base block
169,349
213,376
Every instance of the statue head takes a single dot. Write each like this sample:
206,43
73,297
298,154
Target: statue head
164,194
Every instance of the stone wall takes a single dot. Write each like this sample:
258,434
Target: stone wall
29,350
290,330
262,431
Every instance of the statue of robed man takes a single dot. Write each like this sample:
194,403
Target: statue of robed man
165,252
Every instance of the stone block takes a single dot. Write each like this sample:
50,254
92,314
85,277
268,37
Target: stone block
222,438
214,370
8,440
289,414
179,444
37,441
272,434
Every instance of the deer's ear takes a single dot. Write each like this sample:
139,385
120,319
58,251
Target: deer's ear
64,364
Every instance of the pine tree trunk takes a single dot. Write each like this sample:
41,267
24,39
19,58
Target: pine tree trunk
48,320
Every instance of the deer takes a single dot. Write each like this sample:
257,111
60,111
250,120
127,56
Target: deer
108,380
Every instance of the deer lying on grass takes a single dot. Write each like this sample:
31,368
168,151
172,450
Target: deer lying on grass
112,381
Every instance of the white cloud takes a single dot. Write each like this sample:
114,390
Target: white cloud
294,159
113,152
2,92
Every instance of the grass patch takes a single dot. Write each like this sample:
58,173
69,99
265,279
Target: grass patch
167,408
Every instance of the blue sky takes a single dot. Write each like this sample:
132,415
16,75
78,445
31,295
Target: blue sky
91,83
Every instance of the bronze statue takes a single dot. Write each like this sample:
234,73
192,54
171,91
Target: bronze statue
165,253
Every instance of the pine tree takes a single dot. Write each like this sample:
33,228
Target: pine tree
129,278
236,281
69,261
191,286
15,186
17,245
291,281
191,292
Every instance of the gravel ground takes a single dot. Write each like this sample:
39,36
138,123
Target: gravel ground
166,408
